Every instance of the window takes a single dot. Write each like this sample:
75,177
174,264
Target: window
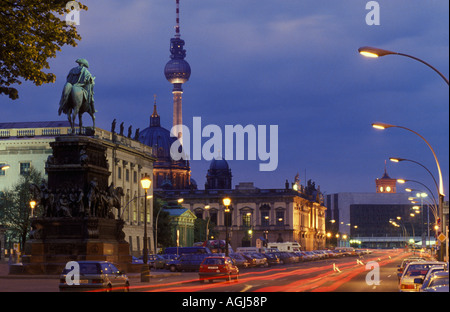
119,173
280,217
127,175
24,168
264,217
264,211
213,216
247,219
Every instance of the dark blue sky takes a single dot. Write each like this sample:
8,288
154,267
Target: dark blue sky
289,63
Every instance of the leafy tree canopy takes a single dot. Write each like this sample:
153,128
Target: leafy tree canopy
31,32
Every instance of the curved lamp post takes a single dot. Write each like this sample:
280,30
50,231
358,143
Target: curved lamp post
376,52
398,159
382,126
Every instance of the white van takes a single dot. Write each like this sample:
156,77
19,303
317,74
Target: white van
287,246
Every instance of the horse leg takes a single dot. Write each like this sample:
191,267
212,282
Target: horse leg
93,120
81,121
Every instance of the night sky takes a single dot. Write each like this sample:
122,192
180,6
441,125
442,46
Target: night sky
291,63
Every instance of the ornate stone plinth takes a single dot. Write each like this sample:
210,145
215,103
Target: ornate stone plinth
57,241
78,222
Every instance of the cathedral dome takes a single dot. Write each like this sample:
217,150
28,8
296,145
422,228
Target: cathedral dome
219,164
157,137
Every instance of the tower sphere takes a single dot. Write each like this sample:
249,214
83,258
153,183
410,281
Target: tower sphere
177,71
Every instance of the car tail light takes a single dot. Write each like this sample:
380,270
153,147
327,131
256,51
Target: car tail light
97,281
407,286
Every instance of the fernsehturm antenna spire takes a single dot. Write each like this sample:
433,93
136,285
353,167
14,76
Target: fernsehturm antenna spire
177,72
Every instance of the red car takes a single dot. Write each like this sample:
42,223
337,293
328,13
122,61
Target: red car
218,267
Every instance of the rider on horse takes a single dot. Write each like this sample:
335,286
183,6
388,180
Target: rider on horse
81,77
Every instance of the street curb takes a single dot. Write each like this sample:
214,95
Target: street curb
131,276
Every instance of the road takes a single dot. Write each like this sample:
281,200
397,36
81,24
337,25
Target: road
372,273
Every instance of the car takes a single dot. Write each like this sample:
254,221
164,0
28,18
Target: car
157,261
240,260
285,257
218,267
261,260
187,262
272,259
94,276
251,260
312,255
435,281
413,275
405,262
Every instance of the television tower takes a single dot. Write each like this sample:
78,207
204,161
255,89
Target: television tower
177,72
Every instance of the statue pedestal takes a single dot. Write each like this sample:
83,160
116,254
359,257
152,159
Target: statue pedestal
78,221
60,240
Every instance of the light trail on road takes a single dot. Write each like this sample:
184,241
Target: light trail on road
326,274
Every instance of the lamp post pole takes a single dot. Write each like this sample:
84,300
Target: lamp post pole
441,194
226,203
377,52
145,271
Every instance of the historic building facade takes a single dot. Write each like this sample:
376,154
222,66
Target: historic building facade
285,215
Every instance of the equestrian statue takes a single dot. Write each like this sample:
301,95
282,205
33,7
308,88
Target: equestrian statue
78,94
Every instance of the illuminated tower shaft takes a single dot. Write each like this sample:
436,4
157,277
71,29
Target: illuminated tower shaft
177,72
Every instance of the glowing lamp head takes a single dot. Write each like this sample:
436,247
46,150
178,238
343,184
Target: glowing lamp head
226,201
146,182
374,52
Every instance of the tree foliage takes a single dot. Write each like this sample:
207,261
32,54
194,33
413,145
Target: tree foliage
15,206
165,237
31,32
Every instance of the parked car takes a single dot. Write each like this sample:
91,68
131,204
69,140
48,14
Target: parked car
240,260
157,261
312,255
285,257
272,258
260,259
413,275
218,267
188,262
95,275
252,261
187,250
436,282
405,262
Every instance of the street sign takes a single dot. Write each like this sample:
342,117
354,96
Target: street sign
442,237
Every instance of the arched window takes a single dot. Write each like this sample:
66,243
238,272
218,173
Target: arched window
265,215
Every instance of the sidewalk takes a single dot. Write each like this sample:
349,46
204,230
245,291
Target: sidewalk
4,274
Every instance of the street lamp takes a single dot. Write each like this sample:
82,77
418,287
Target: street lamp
398,159
145,272
4,166
376,52
226,202
32,205
380,125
